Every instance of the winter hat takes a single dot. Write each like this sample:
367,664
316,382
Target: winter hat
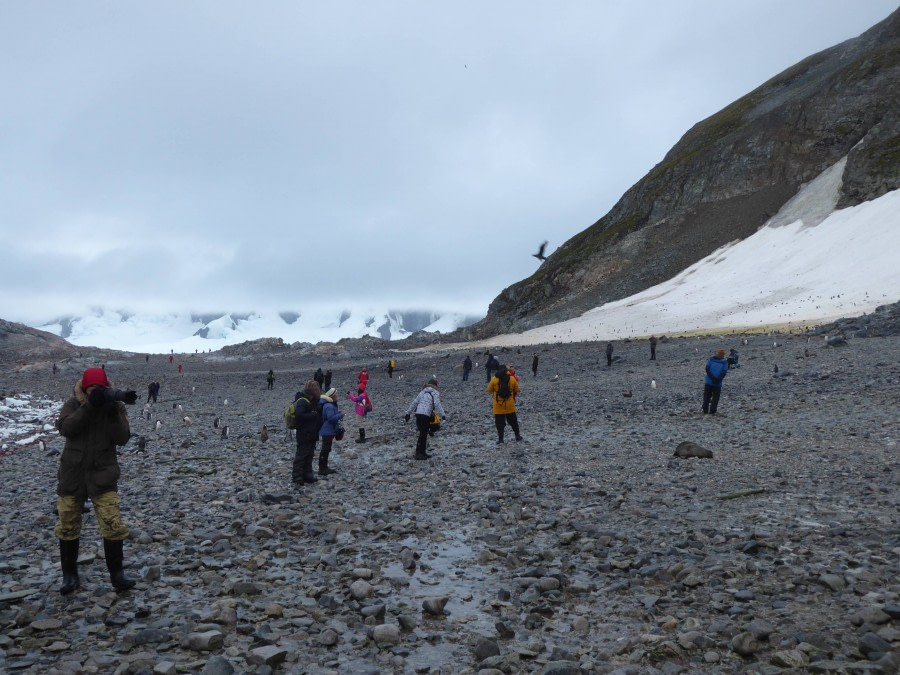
330,394
94,376
432,382
720,353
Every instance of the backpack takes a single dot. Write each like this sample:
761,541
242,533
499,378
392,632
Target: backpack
503,389
368,404
290,414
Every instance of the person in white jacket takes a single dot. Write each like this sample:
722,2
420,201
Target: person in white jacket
425,404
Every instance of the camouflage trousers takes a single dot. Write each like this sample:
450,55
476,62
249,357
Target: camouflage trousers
106,508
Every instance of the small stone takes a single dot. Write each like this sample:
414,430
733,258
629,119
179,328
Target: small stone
580,624
328,637
549,583
386,635
165,668
485,649
205,641
407,622
833,581
435,606
360,589
872,644
745,644
789,658
711,657
217,665
269,655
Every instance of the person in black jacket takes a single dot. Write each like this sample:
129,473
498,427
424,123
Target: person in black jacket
309,420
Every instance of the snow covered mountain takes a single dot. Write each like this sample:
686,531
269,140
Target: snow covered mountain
202,332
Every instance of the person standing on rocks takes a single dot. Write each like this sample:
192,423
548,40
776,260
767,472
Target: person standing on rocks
425,404
309,421
93,422
363,407
716,370
534,365
331,418
653,348
491,365
390,369
319,377
270,379
326,385
504,388
467,368
363,378
609,352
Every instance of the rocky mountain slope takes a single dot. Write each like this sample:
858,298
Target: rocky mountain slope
725,178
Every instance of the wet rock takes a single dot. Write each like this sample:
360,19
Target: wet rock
360,589
269,655
435,606
484,649
217,665
205,641
789,658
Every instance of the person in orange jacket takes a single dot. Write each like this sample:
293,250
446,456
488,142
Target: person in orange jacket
504,388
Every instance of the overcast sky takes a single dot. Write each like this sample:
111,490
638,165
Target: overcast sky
206,156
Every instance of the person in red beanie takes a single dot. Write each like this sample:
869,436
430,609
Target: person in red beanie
93,422
716,370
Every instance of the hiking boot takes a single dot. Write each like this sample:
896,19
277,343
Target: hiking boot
68,558
112,549
518,437
327,471
310,478
423,455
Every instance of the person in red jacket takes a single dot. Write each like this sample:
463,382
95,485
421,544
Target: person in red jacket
363,378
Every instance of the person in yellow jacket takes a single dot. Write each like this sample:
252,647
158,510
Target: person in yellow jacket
504,388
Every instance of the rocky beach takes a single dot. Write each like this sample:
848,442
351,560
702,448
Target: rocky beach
589,547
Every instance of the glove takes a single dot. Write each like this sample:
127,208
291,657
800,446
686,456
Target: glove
97,398
406,418
130,397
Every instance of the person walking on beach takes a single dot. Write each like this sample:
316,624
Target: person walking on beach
534,365
93,422
653,348
319,377
308,414
363,377
390,369
491,365
331,418
270,379
504,389
467,368
326,385
716,370
609,352
363,408
424,405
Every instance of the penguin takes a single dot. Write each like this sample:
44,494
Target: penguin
627,394
142,444
187,421
148,415
180,409
653,384
264,434
216,423
225,402
42,446
174,406
225,431
776,368
158,425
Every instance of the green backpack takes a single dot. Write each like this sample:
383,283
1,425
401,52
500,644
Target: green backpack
290,413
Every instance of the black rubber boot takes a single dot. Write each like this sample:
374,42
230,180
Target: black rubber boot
68,559
112,549
362,436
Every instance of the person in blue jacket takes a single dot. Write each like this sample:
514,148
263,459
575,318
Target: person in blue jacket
733,359
716,370
331,429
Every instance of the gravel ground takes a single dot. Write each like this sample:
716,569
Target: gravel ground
587,547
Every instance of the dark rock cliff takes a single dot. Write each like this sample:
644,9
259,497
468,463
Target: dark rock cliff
725,178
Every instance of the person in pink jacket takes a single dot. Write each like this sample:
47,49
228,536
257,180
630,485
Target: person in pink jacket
363,408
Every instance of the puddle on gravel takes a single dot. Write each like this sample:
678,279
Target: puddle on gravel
449,568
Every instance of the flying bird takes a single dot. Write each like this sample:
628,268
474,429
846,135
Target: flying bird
540,254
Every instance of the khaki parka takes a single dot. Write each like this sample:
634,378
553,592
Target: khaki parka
89,465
